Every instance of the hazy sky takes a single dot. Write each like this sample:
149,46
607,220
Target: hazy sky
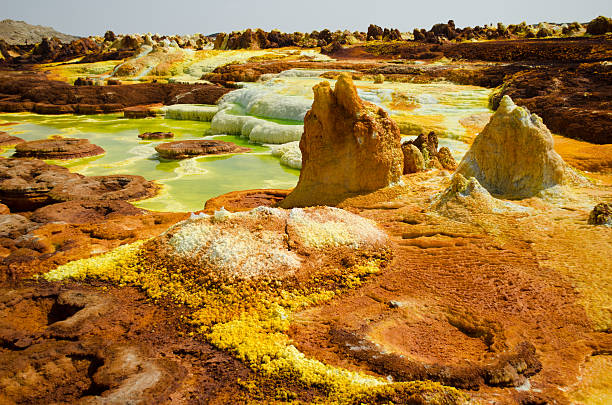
81,17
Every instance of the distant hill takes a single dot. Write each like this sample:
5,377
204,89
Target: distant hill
18,32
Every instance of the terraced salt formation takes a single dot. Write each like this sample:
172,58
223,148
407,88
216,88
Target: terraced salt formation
262,110
192,112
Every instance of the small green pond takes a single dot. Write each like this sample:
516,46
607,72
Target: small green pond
187,184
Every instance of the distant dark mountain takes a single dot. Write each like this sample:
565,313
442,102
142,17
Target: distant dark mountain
20,32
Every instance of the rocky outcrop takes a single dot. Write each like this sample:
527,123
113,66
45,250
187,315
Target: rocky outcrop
349,147
413,158
446,30
600,25
53,50
9,140
187,149
513,156
57,148
260,39
84,211
31,91
13,225
156,135
388,34
29,184
73,348
422,153
601,215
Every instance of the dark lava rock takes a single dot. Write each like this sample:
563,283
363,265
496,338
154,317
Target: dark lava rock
187,149
57,148
427,142
81,81
374,32
109,36
601,215
600,25
156,135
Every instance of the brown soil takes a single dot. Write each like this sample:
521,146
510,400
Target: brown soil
57,148
486,302
88,344
465,302
187,149
245,200
59,233
585,156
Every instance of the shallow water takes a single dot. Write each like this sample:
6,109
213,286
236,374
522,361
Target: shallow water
187,184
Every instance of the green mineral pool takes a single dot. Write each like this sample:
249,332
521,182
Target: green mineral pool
186,184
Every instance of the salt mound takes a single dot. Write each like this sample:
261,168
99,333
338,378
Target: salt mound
265,101
513,156
258,243
193,112
465,196
349,147
289,154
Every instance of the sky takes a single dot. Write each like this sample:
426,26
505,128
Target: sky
86,17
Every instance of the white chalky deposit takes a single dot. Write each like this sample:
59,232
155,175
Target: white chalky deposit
289,154
257,243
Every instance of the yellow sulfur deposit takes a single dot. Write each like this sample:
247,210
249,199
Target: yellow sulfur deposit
249,316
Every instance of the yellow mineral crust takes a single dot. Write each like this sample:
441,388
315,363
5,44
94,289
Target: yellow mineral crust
249,317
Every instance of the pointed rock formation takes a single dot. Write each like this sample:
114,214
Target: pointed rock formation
349,147
513,156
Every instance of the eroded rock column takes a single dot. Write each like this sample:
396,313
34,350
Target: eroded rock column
349,147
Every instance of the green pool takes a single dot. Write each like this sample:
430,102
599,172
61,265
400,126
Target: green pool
186,184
